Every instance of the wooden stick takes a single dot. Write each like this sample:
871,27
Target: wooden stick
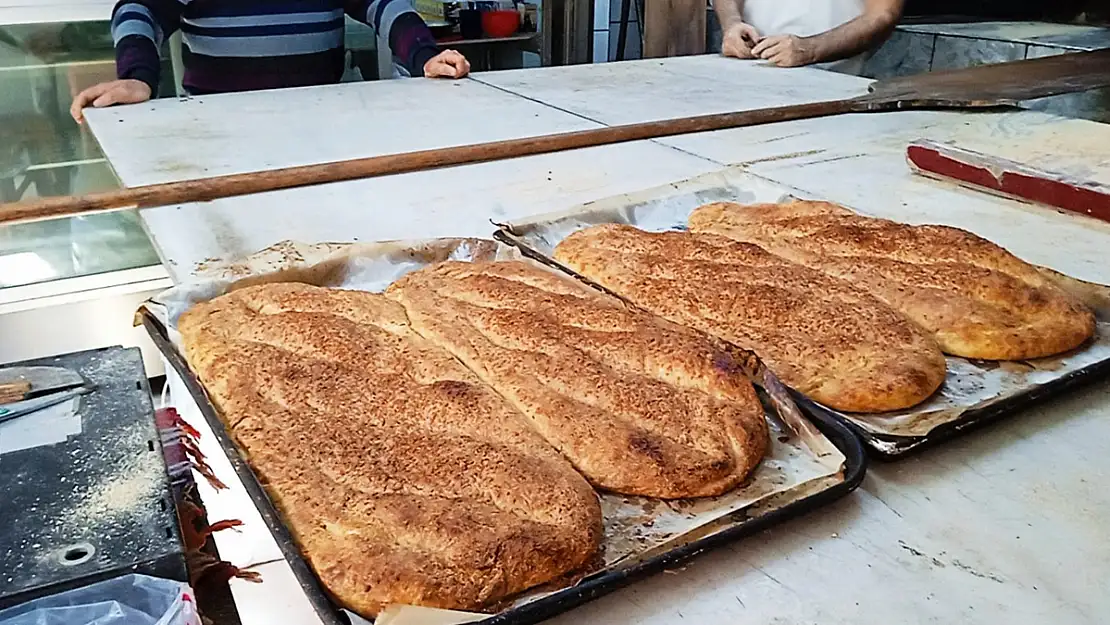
204,190
14,391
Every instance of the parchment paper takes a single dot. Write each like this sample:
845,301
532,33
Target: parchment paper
800,462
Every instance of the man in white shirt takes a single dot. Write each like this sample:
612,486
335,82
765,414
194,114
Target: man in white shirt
791,33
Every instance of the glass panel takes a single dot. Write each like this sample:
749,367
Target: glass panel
44,153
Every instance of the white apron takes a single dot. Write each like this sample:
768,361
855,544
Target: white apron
805,18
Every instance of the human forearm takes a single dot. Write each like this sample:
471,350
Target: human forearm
398,23
137,59
412,43
858,35
138,29
728,12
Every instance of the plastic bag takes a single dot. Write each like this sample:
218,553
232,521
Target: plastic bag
128,600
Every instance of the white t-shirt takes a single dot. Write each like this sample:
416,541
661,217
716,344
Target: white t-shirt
805,18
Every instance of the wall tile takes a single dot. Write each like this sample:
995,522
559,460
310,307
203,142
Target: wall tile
601,46
1093,104
904,54
601,14
959,52
615,10
632,47
1036,52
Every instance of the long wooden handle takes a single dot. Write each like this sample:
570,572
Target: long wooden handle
206,189
14,391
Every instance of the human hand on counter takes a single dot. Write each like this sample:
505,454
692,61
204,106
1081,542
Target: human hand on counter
786,50
127,91
739,39
447,64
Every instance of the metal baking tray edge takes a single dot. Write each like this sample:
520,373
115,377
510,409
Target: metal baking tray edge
884,447
855,466
893,448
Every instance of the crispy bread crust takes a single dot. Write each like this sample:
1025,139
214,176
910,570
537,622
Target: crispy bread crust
977,299
825,338
638,405
402,477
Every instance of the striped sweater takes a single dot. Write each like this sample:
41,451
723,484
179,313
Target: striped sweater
241,45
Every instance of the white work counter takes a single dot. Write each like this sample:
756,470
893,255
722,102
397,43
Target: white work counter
168,140
1006,524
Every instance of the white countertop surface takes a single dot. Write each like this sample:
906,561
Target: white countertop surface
170,139
1006,524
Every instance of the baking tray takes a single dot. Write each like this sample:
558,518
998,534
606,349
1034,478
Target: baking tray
974,393
373,267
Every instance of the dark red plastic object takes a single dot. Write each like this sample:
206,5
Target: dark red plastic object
1008,178
497,24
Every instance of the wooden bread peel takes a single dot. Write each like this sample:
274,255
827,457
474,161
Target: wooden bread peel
1008,178
978,87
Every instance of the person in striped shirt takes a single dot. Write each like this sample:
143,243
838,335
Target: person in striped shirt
243,45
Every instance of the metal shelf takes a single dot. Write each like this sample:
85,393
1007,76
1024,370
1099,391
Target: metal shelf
488,40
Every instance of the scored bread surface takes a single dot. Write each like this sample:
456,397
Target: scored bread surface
977,299
401,476
823,337
638,405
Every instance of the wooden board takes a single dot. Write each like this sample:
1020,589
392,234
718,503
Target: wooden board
1009,178
13,391
1013,82
674,28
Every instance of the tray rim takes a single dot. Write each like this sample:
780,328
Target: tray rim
841,436
893,448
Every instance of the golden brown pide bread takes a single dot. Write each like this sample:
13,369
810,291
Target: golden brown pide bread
638,405
402,477
825,338
977,299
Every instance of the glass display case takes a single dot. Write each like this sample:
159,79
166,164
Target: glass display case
44,153
65,284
